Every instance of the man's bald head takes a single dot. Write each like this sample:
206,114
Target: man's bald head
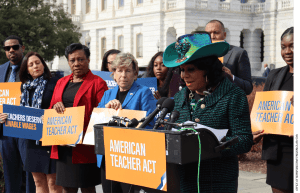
216,29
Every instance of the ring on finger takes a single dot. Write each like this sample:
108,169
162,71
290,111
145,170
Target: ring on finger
0,120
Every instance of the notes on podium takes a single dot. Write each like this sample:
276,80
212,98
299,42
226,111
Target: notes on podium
219,133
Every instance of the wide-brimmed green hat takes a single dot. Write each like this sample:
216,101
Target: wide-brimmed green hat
190,47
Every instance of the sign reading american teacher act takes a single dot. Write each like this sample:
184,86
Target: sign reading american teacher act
136,157
273,112
63,129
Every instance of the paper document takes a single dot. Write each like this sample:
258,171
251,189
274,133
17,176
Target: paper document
219,133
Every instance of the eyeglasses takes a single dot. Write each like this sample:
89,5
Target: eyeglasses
80,60
14,47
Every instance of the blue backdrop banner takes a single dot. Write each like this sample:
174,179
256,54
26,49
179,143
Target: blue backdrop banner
23,122
151,82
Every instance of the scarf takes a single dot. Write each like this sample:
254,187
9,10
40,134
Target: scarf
38,85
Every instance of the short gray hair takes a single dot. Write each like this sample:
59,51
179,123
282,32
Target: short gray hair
125,59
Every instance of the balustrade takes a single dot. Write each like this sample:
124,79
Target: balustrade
201,4
224,6
172,4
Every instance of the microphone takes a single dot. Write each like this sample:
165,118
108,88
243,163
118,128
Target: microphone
178,124
125,119
133,123
174,116
150,117
167,107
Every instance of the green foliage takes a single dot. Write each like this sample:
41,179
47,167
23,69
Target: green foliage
44,28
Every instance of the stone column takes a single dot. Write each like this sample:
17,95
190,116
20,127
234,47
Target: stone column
94,10
233,37
65,4
109,38
269,29
93,49
78,7
127,38
252,45
180,29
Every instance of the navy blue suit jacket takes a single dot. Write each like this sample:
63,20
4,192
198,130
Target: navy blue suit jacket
3,71
238,62
138,98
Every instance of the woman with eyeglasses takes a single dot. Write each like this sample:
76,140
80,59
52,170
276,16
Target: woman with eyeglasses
108,58
37,89
76,166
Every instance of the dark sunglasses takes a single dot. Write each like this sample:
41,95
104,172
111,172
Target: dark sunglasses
15,47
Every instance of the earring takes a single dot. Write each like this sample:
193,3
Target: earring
191,95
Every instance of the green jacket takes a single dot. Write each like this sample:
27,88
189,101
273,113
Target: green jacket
226,108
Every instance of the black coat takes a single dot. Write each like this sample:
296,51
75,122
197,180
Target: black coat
37,156
237,61
271,142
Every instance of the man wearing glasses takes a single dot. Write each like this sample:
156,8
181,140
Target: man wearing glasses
13,149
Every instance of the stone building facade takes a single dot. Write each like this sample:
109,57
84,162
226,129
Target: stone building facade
142,27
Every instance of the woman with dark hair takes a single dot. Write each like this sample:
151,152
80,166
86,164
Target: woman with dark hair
108,58
37,89
76,166
210,99
278,149
164,75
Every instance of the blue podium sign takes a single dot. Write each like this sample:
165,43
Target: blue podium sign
23,122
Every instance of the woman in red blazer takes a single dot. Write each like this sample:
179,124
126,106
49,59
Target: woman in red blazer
76,166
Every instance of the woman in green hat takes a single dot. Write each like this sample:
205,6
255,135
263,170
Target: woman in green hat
210,99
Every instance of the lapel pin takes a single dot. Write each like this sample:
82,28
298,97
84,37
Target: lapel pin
131,93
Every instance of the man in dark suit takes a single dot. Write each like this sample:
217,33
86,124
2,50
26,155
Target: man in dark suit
13,149
236,62
267,70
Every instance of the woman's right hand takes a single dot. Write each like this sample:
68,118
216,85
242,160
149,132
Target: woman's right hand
257,136
59,107
3,117
114,104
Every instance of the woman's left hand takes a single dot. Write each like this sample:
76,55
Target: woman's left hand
3,117
257,136
114,104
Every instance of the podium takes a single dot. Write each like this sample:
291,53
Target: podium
178,147
182,147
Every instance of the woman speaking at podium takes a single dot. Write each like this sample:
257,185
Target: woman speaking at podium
127,95
210,99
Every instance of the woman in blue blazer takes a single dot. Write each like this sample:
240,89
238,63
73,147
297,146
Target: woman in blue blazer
127,95
137,98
